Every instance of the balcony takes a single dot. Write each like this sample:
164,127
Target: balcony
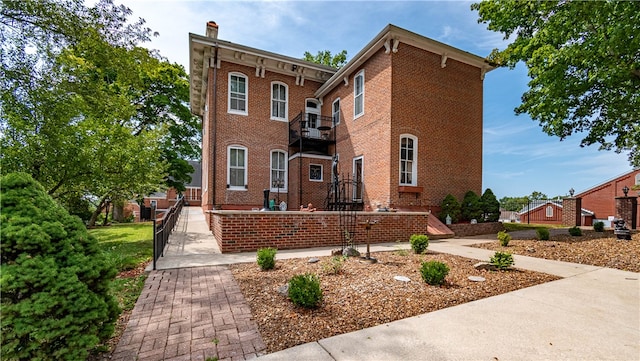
311,132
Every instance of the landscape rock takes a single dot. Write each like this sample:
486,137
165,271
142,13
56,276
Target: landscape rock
284,290
401,278
476,279
485,266
314,260
350,252
336,252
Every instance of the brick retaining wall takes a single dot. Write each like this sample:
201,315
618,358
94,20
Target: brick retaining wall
246,231
467,229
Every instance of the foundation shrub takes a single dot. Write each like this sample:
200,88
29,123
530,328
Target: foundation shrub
434,272
305,291
419,243
266,258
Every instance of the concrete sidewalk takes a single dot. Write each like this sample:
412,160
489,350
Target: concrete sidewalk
593,313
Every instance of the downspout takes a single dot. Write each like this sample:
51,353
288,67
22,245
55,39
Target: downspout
214,122
300,162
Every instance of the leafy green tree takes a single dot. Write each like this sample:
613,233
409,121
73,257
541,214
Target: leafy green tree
326,58
513,204
91,115
55,280
583,63
537,196
451,207
490,206
470,207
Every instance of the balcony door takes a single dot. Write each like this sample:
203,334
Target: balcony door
312,117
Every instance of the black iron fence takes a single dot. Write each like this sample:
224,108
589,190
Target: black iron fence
345,196
163,228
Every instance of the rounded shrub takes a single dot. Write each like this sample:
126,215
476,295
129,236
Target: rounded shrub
575,231
305,291
419,243
502,260
504,238
266,258
542,234
55,280
598,226
434,272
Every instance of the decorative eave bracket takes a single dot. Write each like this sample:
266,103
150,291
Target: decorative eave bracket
388,47
260,67
443,60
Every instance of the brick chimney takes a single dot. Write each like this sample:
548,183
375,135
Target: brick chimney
212,30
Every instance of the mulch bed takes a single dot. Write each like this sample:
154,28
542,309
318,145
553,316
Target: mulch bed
364,295
594,248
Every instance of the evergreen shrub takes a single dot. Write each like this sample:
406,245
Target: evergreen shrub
502,260
434,272
504,238
575,231
266,258
419,243
542,234
55,280
598,226
305,291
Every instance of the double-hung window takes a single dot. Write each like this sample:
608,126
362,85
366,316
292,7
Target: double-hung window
237,168
278,171
238,89
335,112
279,101
408,163
358,94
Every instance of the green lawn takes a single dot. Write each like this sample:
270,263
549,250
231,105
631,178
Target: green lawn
510,227
126,246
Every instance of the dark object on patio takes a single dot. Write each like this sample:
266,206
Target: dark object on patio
621,230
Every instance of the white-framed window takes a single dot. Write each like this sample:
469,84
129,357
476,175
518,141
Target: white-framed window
358,94
638,179
238,93
335,112
315,172
278,178
549,211
237,167
358,178
279,101
408,160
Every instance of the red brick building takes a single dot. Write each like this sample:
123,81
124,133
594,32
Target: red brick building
403,116
192,194
601,199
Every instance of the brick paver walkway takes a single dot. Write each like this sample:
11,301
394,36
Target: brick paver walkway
190,314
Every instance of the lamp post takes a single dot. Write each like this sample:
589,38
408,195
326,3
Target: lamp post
625,190
571,191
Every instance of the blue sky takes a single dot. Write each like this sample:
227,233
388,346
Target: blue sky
518,158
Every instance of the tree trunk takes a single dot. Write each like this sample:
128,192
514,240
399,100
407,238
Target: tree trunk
96,213
106,214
